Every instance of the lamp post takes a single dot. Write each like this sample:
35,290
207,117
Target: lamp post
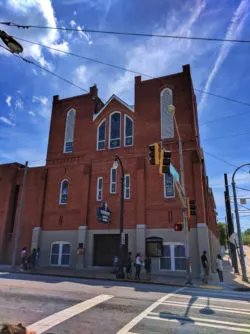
11,43
171,109
242,259
116,163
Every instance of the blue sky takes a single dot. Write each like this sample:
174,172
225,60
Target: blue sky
223,68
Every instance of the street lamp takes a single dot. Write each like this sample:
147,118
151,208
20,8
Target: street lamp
242,259
11,43
171,109
120,273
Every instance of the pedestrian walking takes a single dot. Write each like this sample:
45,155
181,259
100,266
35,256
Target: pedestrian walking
129,266
138,263
205,266
23,259
219,268
147,264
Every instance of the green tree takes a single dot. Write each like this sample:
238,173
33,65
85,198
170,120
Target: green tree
222,231
246,237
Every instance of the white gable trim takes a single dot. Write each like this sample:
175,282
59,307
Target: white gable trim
108,102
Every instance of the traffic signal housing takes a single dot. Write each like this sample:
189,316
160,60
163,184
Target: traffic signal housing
154,154
178,227
165,160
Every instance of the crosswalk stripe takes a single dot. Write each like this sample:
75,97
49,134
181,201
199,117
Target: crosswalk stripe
197,323
223,300
180,317
55,319
213,307
139,317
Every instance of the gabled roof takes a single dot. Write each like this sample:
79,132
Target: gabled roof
113,97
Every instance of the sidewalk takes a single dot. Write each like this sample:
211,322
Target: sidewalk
231,281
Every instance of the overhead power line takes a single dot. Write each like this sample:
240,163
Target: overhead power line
131,71
229,136
126,33
44,69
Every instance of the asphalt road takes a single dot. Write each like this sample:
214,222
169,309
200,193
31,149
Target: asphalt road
58,305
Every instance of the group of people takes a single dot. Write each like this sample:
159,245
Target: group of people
205,265
138,264
29,261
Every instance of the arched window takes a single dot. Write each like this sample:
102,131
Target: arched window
115,130
101,135
167,121
173,257
69,131
60,253
128,131
64,192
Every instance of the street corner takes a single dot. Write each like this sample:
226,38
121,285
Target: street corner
213,287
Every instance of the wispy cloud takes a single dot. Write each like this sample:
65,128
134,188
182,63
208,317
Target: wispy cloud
32,113
75,12
233,32
6,121
19,103
8,100
84,35
40,99
73,23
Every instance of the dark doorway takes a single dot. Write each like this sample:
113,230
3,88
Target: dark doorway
106,246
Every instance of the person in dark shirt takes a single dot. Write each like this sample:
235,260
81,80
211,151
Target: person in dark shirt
147,264
205,266
129,266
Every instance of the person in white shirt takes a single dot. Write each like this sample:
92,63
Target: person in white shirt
138,263
219,268
23,259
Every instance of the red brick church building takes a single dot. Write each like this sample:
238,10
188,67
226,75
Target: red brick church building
61,198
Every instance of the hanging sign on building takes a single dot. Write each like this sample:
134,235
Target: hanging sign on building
103,213
169,186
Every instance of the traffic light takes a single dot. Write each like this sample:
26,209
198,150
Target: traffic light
165,162
192,207
178,226
154,154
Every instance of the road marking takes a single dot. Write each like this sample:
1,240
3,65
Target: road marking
139,317
213,307
197,323
211,299
215,287
223,293
45,324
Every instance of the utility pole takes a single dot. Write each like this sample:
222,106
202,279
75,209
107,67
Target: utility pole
19,221
230,226
242,259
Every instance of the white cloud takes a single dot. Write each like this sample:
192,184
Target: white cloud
241,178
32,113
82,75
156,55
84,35
8,100
75,12
73,23
40,99
19,103
233,32
6,121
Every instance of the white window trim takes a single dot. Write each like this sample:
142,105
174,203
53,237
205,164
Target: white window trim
97,137
164,188
125,123
70,141
111,182
127,175
97,189
61,243
162,92
60,197
172,257
114,112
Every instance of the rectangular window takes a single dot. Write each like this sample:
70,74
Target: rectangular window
99,189
127,187
113,176
174,257
169,191
68,147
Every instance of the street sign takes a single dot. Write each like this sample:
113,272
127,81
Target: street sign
174,172
169,186
103,214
